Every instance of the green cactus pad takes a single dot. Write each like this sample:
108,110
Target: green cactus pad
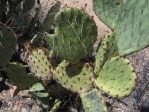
93,101
107,49
37,87
107,11
74,36
18,76
7,44
112,50
132,29
116,78
42,98
77,78
39,64
101,56
38,92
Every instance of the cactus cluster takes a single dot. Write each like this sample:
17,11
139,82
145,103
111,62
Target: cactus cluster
74,35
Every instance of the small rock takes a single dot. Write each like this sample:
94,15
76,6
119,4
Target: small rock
13,91
23,110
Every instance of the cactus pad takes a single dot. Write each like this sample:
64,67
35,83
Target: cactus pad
37,87
107,11
77,78
39,64
132,29
39,93
42,98
116,78
7,44
74,36
107,49
93,101
18,76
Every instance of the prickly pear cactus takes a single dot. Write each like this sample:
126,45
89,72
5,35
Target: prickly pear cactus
18,76
116,78
93,101
74,36
7,44
39,63
132,27
108,11
107,49
77,78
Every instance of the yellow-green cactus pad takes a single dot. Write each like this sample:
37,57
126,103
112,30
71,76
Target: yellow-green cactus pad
116,78
7,44
132,27
18,76
39,63
93,101
107,49
74,36
77,78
